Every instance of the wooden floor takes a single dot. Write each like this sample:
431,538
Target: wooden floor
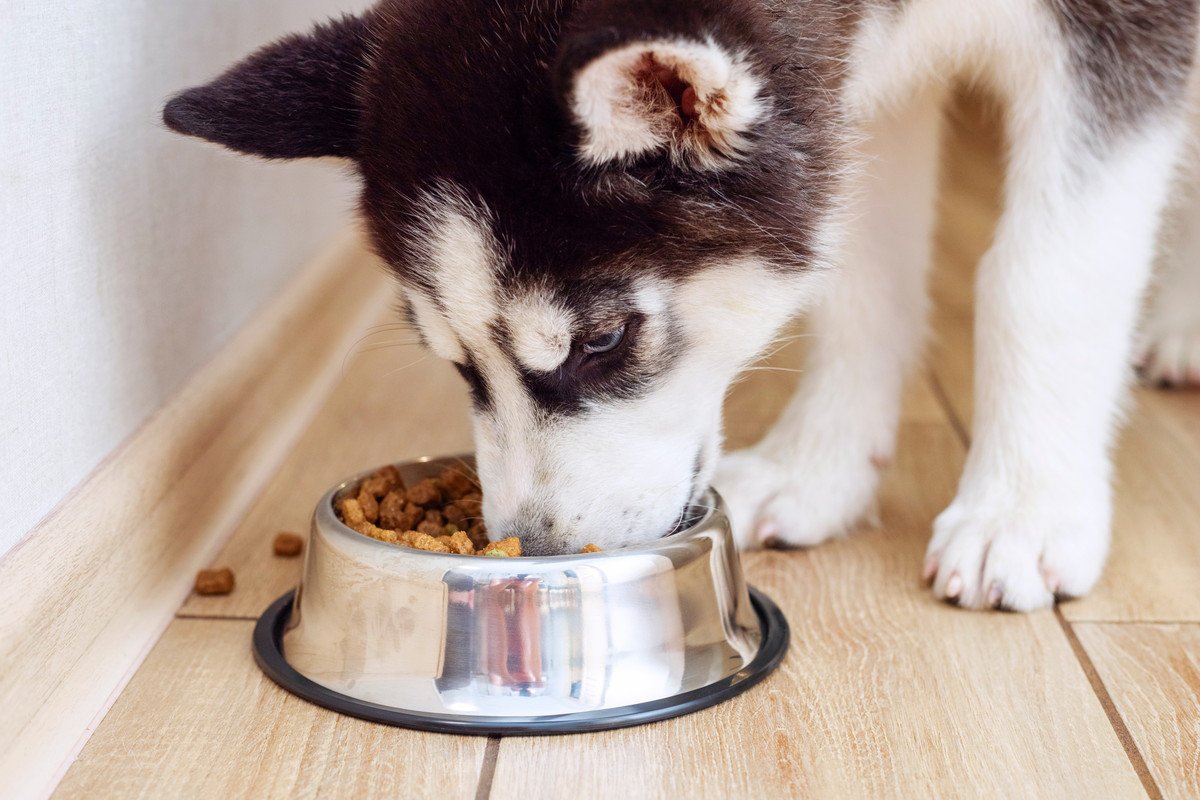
884,692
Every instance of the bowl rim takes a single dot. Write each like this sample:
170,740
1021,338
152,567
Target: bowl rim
324,517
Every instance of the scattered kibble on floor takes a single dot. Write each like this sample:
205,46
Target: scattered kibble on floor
288,544
214,581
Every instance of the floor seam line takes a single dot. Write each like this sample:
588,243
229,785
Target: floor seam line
487,770
1132,751
1134,621
943,399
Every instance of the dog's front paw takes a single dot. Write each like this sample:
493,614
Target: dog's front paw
1172,358
1170,349
1017,557
775,502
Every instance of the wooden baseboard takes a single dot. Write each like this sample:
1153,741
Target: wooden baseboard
86,594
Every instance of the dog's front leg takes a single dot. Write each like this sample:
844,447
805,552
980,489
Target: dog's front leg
814,475
1170,345
1057,303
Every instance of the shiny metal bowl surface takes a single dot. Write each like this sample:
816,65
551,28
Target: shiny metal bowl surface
519,645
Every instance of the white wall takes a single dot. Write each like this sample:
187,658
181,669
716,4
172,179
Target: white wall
128,255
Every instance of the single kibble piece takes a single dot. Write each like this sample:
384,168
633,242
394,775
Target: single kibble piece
384,535
590,548
454,515
382,481
430,528
471,504
425,493
431,543
435,516
461,543
369,505
393,514
352,513
214,581
478,533
511,546
287,544
457,482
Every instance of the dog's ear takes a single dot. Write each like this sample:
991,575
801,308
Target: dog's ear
639,79
294,98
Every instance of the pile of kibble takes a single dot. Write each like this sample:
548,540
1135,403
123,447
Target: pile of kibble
441,515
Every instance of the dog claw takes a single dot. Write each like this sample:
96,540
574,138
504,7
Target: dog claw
1051,579
767,533
954,587
994,594
930,569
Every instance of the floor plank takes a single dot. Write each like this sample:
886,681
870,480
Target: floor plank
1153,675
1156,533
199,720
394,402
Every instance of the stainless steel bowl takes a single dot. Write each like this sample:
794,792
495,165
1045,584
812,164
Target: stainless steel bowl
519,645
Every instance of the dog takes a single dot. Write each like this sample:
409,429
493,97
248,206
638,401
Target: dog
602,210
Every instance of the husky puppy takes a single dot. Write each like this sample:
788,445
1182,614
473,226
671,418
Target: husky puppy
601,210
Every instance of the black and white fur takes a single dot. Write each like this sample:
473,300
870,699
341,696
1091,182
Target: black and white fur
602,210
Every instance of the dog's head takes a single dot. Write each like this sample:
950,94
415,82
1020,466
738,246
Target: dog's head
600,212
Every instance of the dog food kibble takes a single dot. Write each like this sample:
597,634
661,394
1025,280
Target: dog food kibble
287,544
368,504
478,534
511,547
394,514
458,483
424,541
454,515
214,581
430,528
426,493
461,543
441,515
382,481
471,504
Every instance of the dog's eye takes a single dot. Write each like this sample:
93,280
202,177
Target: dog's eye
604,343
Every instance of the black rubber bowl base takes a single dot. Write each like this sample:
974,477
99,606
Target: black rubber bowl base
268,653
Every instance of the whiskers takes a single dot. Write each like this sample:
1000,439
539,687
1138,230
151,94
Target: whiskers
692,509
409,365
778,345
465,469
384,336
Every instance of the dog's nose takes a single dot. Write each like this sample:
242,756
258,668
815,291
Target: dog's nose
540,544
538,533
